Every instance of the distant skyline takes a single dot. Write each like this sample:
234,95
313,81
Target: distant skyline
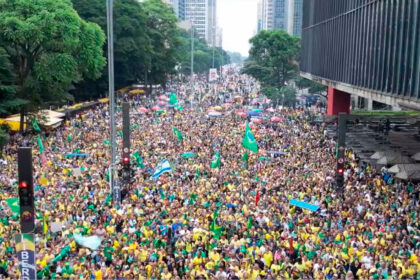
238,19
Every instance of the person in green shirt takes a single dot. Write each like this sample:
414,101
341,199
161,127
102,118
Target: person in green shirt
108,250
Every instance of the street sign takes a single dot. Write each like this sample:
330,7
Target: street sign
25,248
116,194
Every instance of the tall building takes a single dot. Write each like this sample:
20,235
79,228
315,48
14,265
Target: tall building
212,23
259,16
364,50
280,14
178,6
202,14
295,13
219,37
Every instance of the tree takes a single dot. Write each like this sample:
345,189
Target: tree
312,87
50,47
132,49
236,57
273,57
203,54
165,42
8,101
286,95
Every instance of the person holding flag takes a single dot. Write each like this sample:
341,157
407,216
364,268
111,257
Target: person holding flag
249,141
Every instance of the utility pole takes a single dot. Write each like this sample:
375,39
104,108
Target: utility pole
110,35
25,242
341,135
192,53
126,143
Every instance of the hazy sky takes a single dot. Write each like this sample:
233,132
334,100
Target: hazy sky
238,19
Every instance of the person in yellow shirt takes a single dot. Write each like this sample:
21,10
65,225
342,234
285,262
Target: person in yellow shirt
166,274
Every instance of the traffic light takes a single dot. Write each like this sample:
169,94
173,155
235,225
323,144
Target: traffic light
126,161
26,190
126,170
340,172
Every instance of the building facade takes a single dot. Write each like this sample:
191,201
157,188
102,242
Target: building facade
212,23
364,48
280,14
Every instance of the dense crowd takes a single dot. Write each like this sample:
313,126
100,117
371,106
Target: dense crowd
233,221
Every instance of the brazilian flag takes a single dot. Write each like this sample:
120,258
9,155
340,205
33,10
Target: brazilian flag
249,141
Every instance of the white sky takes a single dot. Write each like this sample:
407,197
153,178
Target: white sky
238,19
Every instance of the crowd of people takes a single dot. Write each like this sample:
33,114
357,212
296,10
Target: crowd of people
232,221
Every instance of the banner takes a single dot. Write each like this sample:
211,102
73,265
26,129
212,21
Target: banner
25,247
212,74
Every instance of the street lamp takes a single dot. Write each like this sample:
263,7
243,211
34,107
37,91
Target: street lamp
110,34
192,52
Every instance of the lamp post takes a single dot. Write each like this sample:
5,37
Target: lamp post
110,34
192,53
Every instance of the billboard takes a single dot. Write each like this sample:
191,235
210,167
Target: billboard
213,75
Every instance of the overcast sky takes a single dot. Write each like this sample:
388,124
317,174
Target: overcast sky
238,19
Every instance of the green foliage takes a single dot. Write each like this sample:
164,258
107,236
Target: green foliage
312,87
273,62
162,30
8,101
131,43
286,95
273,58
203,54
50,47
236,57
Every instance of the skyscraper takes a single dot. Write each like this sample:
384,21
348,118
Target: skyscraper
280,14
178,6
259,16
212,23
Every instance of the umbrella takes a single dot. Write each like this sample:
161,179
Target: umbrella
188,155
142,110
377,155
218,108
162,102
163,97
408,175
254,113
241,114
255,102
256,120
156,108
271,110
214,114
251,125
227,105
276,119
416,157
404,167
257,110
394,159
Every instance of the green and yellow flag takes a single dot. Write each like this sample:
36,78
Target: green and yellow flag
35,126
178,134
40,145
215,162
249,141
13,203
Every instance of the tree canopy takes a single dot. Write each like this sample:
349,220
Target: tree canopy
203,54
50,48
273,57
